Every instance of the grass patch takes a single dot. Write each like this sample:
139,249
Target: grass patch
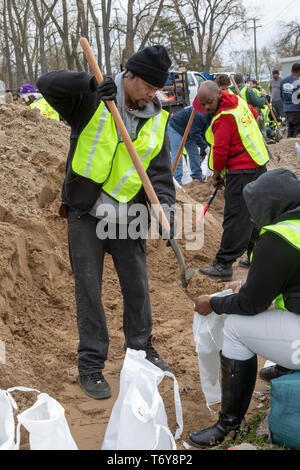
249,436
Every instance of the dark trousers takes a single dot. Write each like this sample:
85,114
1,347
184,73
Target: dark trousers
237,226
293,121
87,253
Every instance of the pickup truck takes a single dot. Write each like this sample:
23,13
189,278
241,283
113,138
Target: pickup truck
180,89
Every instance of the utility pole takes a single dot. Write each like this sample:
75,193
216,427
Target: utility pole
254,27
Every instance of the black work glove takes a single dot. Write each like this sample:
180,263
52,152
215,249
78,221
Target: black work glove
268,98
218,181
107,90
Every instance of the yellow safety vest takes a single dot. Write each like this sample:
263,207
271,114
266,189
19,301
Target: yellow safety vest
243,92
249,133
288,230
45,109
100,157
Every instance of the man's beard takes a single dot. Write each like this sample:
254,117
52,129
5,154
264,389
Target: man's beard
137,106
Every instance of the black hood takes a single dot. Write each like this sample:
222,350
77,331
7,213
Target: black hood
273,197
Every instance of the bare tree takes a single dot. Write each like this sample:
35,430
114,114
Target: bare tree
137,14
213,21
42,14
97,31
289,43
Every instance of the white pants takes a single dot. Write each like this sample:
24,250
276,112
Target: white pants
274,335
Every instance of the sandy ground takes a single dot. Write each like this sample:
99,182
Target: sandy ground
37,305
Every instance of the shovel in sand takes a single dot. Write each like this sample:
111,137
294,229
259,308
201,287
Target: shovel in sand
185,273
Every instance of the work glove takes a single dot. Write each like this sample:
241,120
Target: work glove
107,90
218,181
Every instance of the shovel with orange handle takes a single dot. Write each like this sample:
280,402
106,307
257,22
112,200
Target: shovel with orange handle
185,274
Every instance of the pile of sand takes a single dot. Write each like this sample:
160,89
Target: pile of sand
37,305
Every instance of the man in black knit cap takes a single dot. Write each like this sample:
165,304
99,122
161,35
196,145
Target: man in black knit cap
100,177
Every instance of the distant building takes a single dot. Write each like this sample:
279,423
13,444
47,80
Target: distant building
286,65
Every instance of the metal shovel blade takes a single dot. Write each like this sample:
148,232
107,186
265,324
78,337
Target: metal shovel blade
185,273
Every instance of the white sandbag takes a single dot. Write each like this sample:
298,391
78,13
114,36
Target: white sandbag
206,172
7,424
208,336
186,171
138,420
47,426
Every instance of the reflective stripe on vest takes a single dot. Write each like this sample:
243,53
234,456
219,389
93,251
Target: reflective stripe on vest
45,109
124,182
288,230
248,131
100,157
243,93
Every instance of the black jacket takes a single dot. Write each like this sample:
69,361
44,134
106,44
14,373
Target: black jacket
73,96
179,121
275,266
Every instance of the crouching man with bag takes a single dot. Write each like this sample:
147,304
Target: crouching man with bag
273,201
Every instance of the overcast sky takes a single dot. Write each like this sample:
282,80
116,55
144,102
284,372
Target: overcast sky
270,13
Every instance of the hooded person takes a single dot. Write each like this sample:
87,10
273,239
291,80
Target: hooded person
252,328
102,195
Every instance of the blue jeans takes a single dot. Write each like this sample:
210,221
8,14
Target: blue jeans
193,152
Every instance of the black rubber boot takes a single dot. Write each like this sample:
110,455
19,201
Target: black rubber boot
273,372
218,271
238,382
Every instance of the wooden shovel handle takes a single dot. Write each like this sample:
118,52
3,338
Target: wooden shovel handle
126,138
184,138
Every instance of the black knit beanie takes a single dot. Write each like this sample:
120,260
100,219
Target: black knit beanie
151,64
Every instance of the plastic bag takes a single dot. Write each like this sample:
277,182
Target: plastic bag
208,336
138,420
47,426
206,172
7,424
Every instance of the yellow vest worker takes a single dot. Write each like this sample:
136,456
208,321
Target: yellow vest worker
248,131
45,109
100,157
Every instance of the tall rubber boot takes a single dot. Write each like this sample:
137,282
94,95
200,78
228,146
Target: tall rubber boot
238,382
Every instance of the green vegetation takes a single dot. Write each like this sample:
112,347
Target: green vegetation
265,86
249,435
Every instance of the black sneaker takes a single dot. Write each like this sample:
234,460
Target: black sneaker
95,385
219,271
153,356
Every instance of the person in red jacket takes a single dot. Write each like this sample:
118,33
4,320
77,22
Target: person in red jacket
237,149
